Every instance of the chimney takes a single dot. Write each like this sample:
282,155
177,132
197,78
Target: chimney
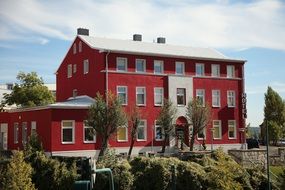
82,31
161,40
137,37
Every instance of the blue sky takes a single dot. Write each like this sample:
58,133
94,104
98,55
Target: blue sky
35,35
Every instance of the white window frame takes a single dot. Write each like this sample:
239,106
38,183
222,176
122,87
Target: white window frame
220,129
183,67
80,46
69,70
33,127
86,66
204,132
126,128
16,133
24,132
198,95
161,64
231,94
156,125
184,96
69,127
74,68
94,136
74,48
125,63
145,130
144,65
155,94
202,65
215,70
230,71
232,126
218,96
126,88
142,87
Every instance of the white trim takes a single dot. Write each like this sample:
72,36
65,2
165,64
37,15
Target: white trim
203,98
162,96
144,104
235,129
217,66
73,131
183,67
234,98
161,62
145,130
184,97
144,65
94,136
126,140
203,69
155,127
126,88
216,96
125,62
230,68
220,129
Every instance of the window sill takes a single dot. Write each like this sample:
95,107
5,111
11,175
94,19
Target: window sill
216,106
159,140
234,138
141,140
122,141
89,142
141,105
67,143
231,106
157,105
217,138
181,105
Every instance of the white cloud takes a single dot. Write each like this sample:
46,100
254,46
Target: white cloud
220,25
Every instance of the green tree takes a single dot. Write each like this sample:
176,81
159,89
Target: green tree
199,116
105,117
274,114
29,92
135,117
18,175
165,120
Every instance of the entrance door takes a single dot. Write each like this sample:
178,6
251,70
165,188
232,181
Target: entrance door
3,136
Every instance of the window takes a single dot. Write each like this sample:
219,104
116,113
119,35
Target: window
201,134
74,93
158,96
181,96
67,132
74,68
140,65
158,67
217,132
179,68
232,129
16,132
122,134
122,94
80,47
231,98
230,71
33,127
69,71
122,64
159,135
89,134
216,98
200,95
141,96
215,70
24,132
200,69
74,48
85,66
141,135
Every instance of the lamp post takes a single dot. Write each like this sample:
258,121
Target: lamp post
267,155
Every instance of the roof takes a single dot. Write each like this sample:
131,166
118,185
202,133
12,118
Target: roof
147,48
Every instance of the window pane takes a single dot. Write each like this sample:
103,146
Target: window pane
158,67
179,68
89,134
217,133
140,96
67,135
122,133
199,69
216,70
140,65
181,96
158,133
141,131
158,96
201,134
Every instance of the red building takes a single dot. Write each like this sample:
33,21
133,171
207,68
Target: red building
141,74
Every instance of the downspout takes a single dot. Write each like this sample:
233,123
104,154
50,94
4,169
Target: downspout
106,70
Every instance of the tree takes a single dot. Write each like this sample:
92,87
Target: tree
105,118
165,120
30,92
135,117
274,110
199,116
18,175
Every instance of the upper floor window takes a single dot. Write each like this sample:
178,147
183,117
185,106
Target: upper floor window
158,67
215,70
181,96
200,69
159,135
80,46
69,71
122,134
122,94
140,65
232,129
200,95
16,132
141,132
67,132
85,66
141,96
217,132
24,132
158,96
74,48
230,71
74,68
231,98
89,134
122,64
216,98
179,68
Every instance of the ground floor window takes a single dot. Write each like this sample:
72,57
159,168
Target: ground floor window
217,133
232,129
67,132
16,132
89,134
202,134
141,135
122,134
159,135
24,132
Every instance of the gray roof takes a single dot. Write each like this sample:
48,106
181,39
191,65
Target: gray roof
156,49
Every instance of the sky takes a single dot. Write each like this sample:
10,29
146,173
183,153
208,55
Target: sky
36,34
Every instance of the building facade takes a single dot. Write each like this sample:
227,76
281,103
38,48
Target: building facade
142,74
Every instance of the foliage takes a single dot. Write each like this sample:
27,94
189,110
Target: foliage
283,179
199,116
165,120
30,92
18,174
105,116
135,117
